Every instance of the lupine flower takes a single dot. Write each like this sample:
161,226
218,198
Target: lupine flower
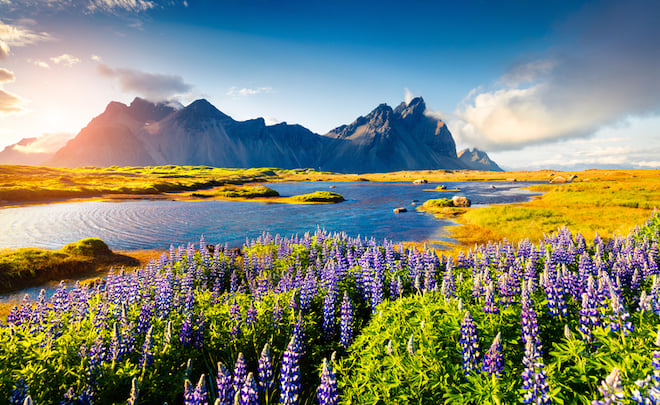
249,393
19,393
329,315
611,389
411,345
266,377
493,359
132,399
469,344
186,335
277,314
224,385
240,372
290,375
327,393
251,317
489,305
534,377
346,321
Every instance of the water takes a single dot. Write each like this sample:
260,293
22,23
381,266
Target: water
134,225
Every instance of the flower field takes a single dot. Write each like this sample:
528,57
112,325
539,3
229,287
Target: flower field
325,318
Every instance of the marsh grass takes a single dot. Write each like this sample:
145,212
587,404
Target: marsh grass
239,192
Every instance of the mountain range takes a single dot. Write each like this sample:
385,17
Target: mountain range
145,133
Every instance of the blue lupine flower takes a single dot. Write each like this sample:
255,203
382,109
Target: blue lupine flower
534,377
224,385
612,389
266,376
240,372
346,322
493,363
251,317
249,393
329,315
327,393
469,344
290,375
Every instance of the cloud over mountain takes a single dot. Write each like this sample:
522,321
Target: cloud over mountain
606,69
153,86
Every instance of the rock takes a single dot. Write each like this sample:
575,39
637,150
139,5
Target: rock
333,186
511,180
400,210
210,248
558,180
492,187
415,201
420,181
572,177
441,187
459,201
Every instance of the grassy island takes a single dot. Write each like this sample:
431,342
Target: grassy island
319,197
32,266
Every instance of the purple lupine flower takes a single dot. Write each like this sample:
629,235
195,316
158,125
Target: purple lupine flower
534,377
240,372
612,389
167,338
188,392
235,316
135,391
489,303
448,288
290,375
376,295
493,358
266,376
346,322
97,355
116,351
327,393
251,317
224,385
198,334
147,357
469,344
85,398
329,315
200,395
589,314
249,393
186,335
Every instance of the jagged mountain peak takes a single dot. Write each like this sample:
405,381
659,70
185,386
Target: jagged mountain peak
476,159
412,110
202,108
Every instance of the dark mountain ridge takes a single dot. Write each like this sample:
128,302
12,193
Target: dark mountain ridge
144,133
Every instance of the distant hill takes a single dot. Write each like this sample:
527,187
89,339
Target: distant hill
33,151
145,133
478,160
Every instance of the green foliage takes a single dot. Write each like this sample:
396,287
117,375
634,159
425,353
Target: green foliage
439,202
319,196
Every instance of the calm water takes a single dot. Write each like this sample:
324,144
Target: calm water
133,225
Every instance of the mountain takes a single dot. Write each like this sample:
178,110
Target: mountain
389,140
35,150
475,159
144,133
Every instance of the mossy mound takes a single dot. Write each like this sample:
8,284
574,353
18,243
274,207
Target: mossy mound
88,247
439,202
240,192
32,266
319,196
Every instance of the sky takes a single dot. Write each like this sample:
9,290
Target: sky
546,84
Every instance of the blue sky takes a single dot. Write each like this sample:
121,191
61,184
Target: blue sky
536,84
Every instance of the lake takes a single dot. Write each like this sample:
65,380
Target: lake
134,225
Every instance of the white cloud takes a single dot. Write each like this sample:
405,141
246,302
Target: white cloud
39,63
95,58
154,86
4,50
6,76
408,95
652,164
121,5
65,60
235,91
47,143
271,121
605,71
10,103
19,35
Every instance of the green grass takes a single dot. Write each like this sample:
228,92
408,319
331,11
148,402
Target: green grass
31,266
439,202
319,196
239,192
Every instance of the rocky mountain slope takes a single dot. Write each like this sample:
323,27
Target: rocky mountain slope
144,133
478,160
